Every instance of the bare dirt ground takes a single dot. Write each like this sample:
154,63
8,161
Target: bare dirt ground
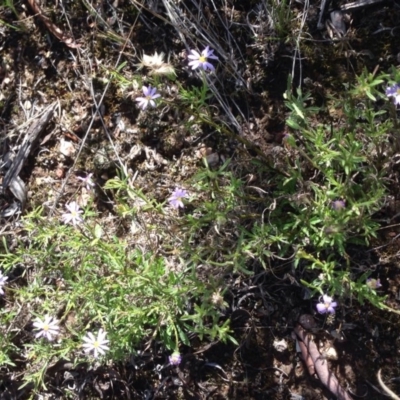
70,62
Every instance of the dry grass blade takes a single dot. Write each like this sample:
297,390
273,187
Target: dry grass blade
390,393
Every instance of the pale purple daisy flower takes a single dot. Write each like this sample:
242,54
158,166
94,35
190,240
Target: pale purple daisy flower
47,328
175,358
394,91
149,96
326,305
201,60
88,181
374,283
176,198
3,280
74,214
97,345
338,205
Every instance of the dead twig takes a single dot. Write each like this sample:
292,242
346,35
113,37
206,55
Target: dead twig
311,354
54,29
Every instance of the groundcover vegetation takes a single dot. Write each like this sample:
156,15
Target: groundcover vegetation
199,200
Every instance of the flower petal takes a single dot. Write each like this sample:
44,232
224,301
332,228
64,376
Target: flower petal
327,299
89,338
321,308
205,52
101,335
145,90
152,91
194,54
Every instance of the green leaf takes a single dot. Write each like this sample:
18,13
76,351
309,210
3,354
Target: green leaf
293,124
98,231
298,111
370,95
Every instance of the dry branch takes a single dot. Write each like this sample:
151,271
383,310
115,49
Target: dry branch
54,29
310,354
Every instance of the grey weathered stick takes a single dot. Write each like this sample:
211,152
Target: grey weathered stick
324,5
355,5
33,133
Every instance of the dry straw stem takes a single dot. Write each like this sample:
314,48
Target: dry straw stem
96,113
391,394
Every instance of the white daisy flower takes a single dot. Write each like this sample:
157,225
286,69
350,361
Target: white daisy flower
74,214
97,345
3,280
47,328
200,60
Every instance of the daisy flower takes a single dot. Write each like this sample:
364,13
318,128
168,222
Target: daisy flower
175,358
326,305
154,61
149,96
73,215
374,283
47,328
201,60
97,345
176,198
88,181
394,91
156,64
338,205
3,280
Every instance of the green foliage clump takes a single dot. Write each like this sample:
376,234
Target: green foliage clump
89,281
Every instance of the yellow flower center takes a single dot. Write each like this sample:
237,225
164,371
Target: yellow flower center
46,327
202,59
96,344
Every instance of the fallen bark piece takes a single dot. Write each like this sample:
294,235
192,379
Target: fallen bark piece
306,357
33,132
18,189
54,29
11,178
310,351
